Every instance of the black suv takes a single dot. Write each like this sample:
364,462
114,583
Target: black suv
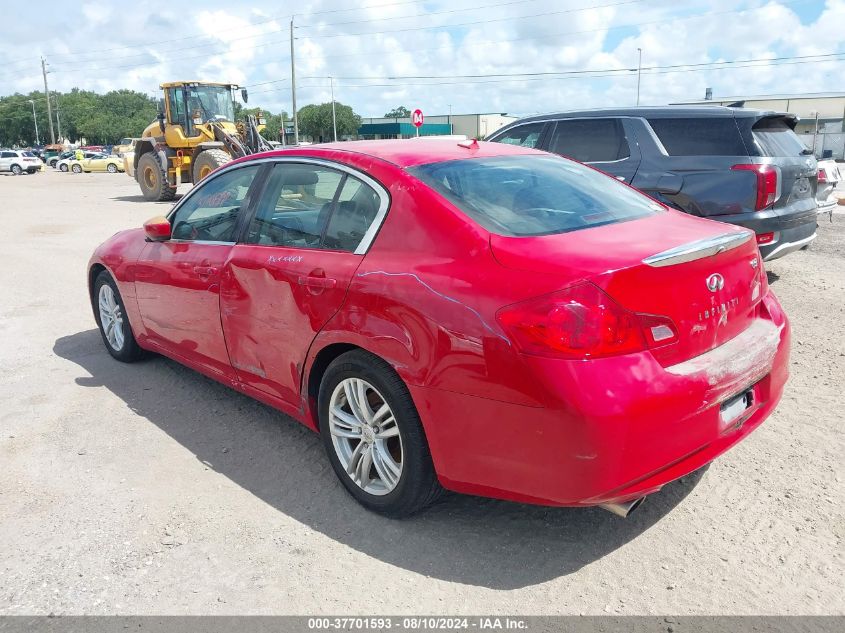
746,167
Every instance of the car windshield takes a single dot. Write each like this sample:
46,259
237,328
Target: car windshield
213,102
534,195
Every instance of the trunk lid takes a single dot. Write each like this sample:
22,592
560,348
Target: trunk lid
705,276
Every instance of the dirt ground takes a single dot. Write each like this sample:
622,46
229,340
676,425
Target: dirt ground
149,489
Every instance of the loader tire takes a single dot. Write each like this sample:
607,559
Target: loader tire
207,161
153,179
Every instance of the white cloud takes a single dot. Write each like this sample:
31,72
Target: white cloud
97,48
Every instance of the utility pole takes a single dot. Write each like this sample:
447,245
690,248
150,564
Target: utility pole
58,119
37,140
49,107
283,128
334,116
450,118
293,87
639,73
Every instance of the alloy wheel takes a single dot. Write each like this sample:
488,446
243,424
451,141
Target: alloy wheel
111,317
365,436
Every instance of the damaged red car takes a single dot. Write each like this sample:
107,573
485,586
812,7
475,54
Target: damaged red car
476,317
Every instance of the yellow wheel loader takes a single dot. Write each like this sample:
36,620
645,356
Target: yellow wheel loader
195,133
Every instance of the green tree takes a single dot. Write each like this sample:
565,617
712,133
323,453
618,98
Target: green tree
398,113
316,121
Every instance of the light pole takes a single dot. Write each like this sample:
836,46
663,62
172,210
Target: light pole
334,116
639,73
35,119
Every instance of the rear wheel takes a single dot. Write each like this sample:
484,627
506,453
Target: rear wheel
153,179
373,436
63,167
16,170
112,168
76,169
207,161
110,313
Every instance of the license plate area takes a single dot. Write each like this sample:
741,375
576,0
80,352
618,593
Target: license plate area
732,412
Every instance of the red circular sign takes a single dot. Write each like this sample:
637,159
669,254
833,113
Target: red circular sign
417,118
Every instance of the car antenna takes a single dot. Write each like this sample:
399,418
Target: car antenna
469,144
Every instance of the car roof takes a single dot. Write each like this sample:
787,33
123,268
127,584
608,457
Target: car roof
665,112
405,152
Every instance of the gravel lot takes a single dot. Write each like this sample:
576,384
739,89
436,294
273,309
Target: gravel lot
149,489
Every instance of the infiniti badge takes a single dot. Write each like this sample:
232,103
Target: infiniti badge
715,282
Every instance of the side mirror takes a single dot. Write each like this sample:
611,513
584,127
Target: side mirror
244,95
157,229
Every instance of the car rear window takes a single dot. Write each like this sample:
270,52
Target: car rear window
776,138
534,195
699,136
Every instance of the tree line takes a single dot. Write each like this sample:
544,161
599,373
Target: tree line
103,119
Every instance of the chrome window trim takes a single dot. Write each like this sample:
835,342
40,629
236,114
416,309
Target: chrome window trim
698,249
206,242
381,191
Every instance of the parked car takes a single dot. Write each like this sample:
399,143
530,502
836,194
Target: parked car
64,163
111,164
124,145
476,316
829,178
52,160
18,162
736,165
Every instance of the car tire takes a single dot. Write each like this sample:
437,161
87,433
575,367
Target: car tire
76,169
112,320
394,439
153,179
16,170
52,163
207,161
111,168
63,167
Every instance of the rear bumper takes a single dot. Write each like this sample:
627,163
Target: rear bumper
794,228
624,427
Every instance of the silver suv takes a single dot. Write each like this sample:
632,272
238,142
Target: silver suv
18,162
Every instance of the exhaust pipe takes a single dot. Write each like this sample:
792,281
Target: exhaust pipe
622,509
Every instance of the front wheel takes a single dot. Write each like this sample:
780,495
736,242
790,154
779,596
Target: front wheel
153,179
373,436
63,167
77,169
112,320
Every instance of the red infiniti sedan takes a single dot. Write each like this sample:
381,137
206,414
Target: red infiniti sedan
477,317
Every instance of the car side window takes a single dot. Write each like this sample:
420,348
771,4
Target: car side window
295,206
590,140
211,213
354,212
527,135
7,155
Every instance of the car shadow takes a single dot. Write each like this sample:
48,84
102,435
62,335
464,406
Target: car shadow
470,540
140,198
772,277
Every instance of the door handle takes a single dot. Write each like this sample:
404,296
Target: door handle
205,271
317,282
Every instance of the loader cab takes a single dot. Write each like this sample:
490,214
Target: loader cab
192,105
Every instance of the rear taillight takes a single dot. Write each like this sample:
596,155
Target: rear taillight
768,183
765,238
582,322
822,177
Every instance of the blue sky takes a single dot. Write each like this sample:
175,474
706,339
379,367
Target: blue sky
377,50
